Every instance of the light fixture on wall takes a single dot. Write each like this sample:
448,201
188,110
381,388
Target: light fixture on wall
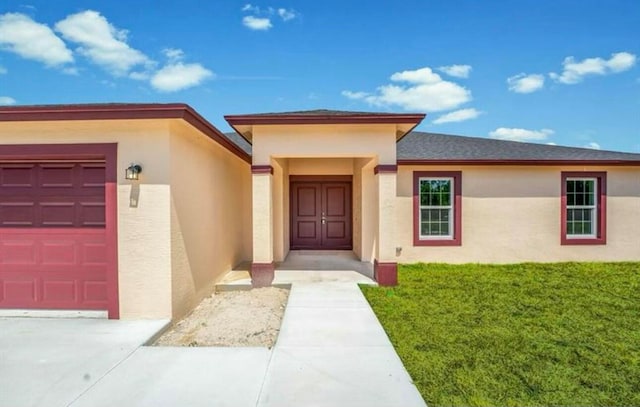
132,172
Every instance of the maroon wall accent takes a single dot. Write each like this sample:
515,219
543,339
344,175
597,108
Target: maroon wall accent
601,237
262,169
386,274
262,274
385,168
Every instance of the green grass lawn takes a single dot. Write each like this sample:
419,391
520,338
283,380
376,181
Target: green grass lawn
523,334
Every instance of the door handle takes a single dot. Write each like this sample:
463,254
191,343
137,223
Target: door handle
323,219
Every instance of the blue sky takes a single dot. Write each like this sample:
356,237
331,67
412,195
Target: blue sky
563,72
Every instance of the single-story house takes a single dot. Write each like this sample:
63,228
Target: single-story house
139,209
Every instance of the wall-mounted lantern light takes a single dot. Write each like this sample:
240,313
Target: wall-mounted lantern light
132,172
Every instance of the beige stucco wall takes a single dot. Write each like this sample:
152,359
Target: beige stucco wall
144,245
280,213
182,225
320,166
327,149
339,140
208,236
369,210
512,214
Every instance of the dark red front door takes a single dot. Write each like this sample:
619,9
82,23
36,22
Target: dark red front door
321,215
53,245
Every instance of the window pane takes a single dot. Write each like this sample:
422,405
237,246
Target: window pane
446,199
589,186
587,228
571,199
444,228
577,228
577,214
579,199
571,186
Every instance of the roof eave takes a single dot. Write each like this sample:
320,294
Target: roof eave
392,118
121,112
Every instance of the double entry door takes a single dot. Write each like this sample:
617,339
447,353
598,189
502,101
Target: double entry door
320,213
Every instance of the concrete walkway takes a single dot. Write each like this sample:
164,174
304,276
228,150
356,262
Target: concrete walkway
331,351
49,362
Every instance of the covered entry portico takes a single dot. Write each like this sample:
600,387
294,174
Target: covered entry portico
324,180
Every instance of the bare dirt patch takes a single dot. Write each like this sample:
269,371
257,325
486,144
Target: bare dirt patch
232,318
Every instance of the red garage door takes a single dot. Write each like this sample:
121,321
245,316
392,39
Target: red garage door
53,245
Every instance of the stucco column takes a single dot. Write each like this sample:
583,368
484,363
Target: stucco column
262,266
385,267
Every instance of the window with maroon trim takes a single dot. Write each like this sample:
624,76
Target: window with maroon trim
437,208
583,219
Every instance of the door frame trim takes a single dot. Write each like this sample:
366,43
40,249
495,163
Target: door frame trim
103,151
319,178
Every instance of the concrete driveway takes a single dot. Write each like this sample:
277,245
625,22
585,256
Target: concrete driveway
52,362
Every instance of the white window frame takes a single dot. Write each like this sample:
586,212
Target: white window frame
450,207
593,208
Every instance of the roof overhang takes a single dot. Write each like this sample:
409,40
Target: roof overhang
123,111
243,124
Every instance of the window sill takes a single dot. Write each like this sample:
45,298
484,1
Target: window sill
567,241
437,242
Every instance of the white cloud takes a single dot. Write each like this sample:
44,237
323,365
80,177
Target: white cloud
250,7
424,90
178,76
515,134
31,40
101,42
257,23
286,15
593,145
3,70
574,72
458,71
6,100
523,83
354,95
458,116
173,54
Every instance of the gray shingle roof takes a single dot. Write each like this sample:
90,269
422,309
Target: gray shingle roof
239,141
430,146
322,112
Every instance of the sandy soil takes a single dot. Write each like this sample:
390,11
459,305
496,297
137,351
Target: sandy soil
233,318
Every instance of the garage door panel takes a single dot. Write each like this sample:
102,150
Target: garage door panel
17,214
91,214
92,176
17,176
58,214
19,291
60,291
94,254
53,243
95,291
55,253
57,175
18,251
